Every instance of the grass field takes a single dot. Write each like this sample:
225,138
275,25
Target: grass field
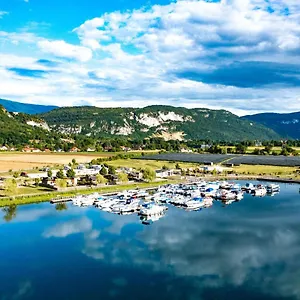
266,170
26,190
152,164
20,200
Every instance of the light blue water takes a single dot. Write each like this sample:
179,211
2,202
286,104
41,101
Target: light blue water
247,250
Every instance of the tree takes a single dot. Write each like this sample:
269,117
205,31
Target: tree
49,173
123,177
60,174
37,181
165,167
71,173
241,149
149,174
10,212
61,183
16,174
100,179
74,162
177,166
103,171
112,170
10,186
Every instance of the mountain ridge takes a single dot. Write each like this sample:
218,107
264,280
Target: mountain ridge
286,125
13,106
155,121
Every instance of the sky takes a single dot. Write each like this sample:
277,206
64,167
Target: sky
238,55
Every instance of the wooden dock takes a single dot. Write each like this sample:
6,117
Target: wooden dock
70,199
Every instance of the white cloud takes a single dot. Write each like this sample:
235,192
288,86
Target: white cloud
134,57
66,50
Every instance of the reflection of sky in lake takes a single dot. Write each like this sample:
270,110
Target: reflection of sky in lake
248,249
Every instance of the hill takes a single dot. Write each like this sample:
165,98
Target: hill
156,121
285,125
31,109
19,129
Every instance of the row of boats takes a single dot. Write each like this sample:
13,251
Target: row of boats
151,205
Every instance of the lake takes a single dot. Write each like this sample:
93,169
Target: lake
247,250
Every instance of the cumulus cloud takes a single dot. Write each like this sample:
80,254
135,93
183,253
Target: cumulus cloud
195,53
66,50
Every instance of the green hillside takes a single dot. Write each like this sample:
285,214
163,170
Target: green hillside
15,131
161,121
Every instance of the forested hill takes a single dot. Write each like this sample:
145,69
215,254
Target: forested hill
13,106
20,129
286,125
159,121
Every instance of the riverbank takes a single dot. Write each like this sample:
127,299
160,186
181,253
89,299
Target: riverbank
47,197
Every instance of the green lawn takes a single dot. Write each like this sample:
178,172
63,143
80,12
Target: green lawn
267,170
152,164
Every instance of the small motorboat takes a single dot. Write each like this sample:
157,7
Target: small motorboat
260,191
273,188
149,209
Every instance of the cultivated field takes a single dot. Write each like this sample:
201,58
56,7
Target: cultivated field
26,161
190,157
152,164
287,161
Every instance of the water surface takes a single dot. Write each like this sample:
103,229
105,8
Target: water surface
247,250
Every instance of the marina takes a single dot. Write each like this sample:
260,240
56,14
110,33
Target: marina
174,242
149,203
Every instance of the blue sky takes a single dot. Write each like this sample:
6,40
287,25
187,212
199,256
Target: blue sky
239,55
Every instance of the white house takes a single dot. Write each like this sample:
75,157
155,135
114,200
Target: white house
164,173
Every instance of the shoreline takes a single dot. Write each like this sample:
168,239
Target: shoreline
48,197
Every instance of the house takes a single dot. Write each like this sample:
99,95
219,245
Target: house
90,150
96,167
81,167
47,150
74,150
29,149
3,148
205,146
164,173
123,148
218,169
135,176
183,150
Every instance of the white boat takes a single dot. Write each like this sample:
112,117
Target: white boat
87,201
150,209
272,188
239,195
260,191
249,186
108,203
193,204
179,200
131,205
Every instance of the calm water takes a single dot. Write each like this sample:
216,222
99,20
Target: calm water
247,250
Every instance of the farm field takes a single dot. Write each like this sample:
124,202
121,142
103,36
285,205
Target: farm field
266,170
287,161
152,164
190,157
26,161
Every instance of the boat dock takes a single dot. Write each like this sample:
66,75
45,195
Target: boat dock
70,198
